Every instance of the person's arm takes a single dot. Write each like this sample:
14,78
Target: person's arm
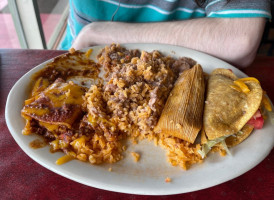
234,40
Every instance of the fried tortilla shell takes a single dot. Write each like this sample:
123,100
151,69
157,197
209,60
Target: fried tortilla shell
232,140
182,114
236,139
226,109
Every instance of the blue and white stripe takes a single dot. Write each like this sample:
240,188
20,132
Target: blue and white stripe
240,13
157,9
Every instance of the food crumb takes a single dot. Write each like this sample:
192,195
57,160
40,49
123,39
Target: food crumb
168,180
156,141
134,141
88,53
136,156
110,169
36,144
124,148
222,152
71,50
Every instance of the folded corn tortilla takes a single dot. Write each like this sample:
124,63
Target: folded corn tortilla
227,110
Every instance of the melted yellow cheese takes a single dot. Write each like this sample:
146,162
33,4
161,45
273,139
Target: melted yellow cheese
93,121
49,126
29,101
61,94
249,79
27,129
36,111
79,143
58,95
235,87
88,53
40,85
64,159
242,85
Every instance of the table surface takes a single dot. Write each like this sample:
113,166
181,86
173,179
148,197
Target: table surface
23,178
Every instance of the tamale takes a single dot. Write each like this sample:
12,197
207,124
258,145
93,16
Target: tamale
182,114
227,110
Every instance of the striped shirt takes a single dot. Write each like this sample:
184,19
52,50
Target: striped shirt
83,12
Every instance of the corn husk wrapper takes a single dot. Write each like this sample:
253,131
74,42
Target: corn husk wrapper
228,110
182,114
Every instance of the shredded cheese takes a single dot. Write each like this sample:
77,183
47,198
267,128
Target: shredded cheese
64,159
88,53
136,156
235,87
242,85
79,142
249,79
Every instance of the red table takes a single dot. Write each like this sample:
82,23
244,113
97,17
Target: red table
22,178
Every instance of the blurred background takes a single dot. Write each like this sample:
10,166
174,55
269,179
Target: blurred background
32,24
41,24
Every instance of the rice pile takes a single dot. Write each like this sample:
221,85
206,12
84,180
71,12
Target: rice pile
130,103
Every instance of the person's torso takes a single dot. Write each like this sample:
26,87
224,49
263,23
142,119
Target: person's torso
86,11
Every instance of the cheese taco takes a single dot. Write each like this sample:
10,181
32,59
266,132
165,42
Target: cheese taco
231,111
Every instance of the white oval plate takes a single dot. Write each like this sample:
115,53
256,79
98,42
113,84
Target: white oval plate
146,177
